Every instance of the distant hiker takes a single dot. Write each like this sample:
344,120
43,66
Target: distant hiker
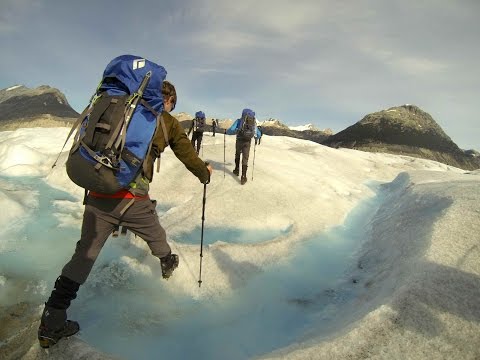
245,128
260,134
130,208
198,127
214,126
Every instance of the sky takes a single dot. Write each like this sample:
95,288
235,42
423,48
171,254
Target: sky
323,254
323,62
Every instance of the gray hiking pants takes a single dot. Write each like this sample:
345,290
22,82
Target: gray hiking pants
242,146
197,137
100,218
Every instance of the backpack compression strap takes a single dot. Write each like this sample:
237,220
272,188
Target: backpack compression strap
77,123
83,115
101,107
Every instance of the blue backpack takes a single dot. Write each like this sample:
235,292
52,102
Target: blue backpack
247,124
199,121
115,131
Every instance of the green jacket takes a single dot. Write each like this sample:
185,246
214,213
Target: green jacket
181,147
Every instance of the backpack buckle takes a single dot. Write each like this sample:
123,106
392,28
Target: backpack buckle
107,161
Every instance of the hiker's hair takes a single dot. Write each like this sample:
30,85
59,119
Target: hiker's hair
169,90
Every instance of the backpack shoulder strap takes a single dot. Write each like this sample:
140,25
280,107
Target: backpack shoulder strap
164,129
159,120
165,135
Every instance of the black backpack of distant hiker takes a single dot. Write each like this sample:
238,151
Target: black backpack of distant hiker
247,124
115,131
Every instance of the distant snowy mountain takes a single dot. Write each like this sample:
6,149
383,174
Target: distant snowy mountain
304,127
271,126
275,123
311,127
275,127
181,116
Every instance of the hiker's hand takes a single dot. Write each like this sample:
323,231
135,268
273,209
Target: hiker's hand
210,168
210,171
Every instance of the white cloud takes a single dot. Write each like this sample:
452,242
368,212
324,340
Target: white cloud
400,59
13,11
418,66
353,57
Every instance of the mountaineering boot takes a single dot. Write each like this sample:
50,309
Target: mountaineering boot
168,264
236,170
54,326
243,180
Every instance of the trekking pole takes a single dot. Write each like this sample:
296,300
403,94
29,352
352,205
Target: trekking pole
201,238
224,146
253,165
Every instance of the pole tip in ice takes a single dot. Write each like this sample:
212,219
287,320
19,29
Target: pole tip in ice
199,283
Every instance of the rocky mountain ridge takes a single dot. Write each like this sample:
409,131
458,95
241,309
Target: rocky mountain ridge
405,130
21,106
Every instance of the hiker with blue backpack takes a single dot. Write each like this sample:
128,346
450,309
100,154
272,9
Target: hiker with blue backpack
245,128
121,133
258,139
198,127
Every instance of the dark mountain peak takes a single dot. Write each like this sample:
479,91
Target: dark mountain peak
21,90
405,118
20,103
406,130
400,125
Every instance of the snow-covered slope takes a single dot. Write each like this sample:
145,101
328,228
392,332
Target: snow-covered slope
324,254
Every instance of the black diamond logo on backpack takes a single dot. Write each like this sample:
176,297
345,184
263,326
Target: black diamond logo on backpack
138,63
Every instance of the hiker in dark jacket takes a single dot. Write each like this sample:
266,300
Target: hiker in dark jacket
245,128
104,213
198,127
214,126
